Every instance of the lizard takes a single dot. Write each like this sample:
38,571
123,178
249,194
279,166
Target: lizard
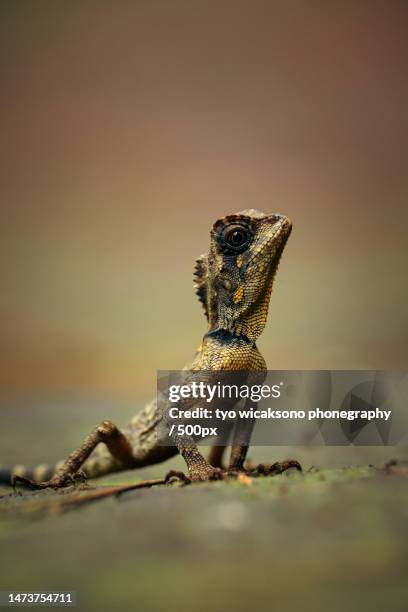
233,282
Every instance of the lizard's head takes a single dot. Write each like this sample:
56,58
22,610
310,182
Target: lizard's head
234,279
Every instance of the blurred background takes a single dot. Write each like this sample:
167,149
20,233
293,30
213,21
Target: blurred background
128,128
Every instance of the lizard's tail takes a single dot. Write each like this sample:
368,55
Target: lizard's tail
37,473
97,465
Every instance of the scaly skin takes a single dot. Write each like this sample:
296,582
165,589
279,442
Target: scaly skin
234,283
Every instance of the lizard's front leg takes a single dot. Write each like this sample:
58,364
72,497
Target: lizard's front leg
240,447
215,455
198,466
217,450
240,442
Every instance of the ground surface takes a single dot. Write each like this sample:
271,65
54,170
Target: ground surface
333,539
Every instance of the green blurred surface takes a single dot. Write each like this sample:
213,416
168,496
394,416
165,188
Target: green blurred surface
334,539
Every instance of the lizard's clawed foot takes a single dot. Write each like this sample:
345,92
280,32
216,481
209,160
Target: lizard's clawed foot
57,482
276,468
281,467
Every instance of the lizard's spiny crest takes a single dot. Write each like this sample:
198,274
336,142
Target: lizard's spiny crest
201,279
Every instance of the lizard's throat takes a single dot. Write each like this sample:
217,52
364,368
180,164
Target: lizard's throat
248,322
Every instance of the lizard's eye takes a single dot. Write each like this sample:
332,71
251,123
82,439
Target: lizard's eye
236,237
233,235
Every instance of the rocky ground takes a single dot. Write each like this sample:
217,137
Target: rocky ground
334,538
326,539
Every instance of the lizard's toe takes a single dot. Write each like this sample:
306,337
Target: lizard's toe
25,482
205,473
280,467
176,476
